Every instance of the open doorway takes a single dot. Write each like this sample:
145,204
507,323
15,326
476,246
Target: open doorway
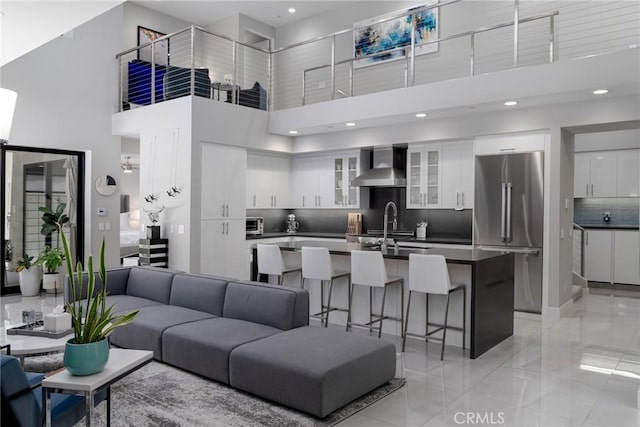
606,207
130,233
257,40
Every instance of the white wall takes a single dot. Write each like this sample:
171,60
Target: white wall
27,25
136,15
66,93
616,140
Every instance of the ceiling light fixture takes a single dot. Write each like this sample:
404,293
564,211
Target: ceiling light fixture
511,103
293,132
127,167
292,10
600,91
421,115
350,124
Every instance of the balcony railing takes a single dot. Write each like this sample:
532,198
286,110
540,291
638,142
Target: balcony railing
201,63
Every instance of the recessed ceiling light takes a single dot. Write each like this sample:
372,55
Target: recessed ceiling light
350,124
292,10
511,103
421,115
293,132
600,91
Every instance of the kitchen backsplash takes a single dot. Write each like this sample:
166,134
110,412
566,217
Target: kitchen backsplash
590,211
442,222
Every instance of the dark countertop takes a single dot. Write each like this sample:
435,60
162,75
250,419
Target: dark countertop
610,226
441,240
298,234
453,256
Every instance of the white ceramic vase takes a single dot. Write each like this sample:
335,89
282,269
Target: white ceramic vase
52,282
30,281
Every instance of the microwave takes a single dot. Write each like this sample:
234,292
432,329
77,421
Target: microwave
255,225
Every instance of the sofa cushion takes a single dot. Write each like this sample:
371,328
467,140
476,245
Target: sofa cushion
117,279
312,369
125,303
209,343
202,293
277,306
151,283
145,332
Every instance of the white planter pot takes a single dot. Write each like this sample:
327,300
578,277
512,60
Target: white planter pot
30,281
52,282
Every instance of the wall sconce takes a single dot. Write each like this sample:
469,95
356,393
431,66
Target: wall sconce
7,107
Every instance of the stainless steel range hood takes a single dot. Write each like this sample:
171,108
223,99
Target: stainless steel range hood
387,168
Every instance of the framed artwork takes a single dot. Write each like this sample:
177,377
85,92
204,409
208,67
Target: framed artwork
146,35
372,37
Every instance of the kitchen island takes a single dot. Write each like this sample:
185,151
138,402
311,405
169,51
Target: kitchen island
488,276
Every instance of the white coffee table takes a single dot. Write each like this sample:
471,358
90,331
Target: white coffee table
121,363
25,345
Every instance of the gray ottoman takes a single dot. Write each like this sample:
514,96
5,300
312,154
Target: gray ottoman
312,369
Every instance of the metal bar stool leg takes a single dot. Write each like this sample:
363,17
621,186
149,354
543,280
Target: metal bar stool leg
370,309
426,316
444,332
323,314
384,297
401,308
406,324
328,307
351,285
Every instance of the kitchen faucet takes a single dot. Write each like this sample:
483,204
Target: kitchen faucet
386,222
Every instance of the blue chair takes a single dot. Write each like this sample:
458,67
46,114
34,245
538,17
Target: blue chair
22,399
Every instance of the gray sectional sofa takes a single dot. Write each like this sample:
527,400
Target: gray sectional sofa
251,336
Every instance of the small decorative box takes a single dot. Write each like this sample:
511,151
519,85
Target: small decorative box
57,322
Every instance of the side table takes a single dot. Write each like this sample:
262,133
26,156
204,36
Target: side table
231,90
121,363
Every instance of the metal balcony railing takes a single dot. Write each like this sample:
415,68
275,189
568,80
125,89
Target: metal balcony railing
513,34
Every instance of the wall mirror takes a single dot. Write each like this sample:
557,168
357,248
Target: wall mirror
33,178
106,185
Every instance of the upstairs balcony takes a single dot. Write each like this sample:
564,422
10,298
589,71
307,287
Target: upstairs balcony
432,58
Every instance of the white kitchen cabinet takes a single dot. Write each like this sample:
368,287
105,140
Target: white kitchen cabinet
628,173
268,181
626,257
223,182
511,143
597,255
457,176
424,177
345,169
595,174
325,181
222,248
312,182
223,211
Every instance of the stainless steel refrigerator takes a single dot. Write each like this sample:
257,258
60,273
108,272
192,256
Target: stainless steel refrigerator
508,216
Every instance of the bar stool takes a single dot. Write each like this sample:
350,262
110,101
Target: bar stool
367,269
428,274
270,262
317,265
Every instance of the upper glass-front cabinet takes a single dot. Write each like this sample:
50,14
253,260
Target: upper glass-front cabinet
345,170
424,178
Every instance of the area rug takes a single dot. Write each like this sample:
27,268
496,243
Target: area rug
161,395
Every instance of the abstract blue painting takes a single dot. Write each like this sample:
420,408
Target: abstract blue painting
376,42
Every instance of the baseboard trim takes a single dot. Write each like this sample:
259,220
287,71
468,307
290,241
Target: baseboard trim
555,313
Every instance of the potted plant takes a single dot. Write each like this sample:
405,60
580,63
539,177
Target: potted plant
29,274
51,259
53,220
88,351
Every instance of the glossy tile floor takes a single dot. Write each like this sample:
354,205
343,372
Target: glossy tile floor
583,370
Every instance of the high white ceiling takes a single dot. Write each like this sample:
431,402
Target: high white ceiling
274,13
